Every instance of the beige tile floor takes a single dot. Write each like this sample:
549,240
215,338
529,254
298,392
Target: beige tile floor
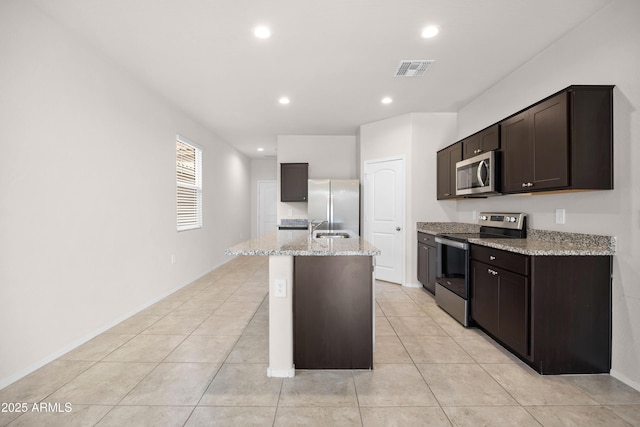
199,357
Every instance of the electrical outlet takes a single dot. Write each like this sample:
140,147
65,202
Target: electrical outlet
560,216
173,259
280,288
474,215
290,212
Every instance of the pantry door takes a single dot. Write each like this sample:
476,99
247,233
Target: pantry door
384,201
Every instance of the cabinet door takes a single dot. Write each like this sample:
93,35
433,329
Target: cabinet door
455,155
483,141
443,176
549,128
293,182
427,266
535,147
517,153
484,296
446,163
431,277
489,139
513,294
471,146
423,263
500,304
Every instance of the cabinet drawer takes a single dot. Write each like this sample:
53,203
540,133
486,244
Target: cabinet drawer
511,261
426,239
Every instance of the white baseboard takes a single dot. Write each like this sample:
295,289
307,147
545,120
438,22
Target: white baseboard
281,373
412,285
617,375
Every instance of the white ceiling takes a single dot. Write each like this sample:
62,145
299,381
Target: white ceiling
335,59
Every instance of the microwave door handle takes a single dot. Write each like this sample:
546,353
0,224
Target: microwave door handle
481,165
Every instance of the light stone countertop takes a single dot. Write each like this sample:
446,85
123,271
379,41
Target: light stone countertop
537,243
298,243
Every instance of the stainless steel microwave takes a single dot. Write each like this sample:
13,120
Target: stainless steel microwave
476,177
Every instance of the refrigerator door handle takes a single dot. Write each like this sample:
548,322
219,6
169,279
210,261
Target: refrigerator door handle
330,211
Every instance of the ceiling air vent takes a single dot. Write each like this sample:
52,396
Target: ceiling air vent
413,68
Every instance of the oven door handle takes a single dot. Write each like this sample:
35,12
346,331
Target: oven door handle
447,242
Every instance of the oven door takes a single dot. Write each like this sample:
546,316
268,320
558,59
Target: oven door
452,266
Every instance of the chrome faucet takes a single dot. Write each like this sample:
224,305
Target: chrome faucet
314,225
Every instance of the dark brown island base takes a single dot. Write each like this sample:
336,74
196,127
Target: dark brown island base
321,300
333,312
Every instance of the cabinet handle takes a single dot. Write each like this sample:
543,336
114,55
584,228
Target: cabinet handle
491,257
447,194
490,271
527,184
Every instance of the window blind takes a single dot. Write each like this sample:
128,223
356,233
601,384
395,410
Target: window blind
188,184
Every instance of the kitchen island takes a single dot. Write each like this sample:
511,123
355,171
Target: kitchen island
321,300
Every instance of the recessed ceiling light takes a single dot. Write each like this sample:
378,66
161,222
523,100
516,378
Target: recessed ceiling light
262,32
284,100
386,100
430,31
260,149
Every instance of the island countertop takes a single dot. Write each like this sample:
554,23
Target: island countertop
299,243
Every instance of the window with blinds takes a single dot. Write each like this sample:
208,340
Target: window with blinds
188,184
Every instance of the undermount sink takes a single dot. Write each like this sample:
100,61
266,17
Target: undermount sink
332,235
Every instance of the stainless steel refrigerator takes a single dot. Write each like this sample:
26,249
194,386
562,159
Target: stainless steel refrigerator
336,201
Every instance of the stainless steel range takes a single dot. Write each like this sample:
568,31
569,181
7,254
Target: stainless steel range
452,265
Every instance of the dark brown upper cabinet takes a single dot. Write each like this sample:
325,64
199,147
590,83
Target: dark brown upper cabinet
564,142
480,142
446,165
293,182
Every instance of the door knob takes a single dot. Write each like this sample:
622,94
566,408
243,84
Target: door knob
398,228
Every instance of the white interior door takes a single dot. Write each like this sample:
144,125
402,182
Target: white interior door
267,206
384,203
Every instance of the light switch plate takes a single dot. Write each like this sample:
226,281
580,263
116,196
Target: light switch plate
560,216
280,288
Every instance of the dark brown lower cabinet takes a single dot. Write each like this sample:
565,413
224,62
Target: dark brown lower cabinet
427,254
333,312
571,314
554,312
500,303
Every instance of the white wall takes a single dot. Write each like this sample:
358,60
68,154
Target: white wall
329,156
430,133
414,138
261,169
603,50
87,183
